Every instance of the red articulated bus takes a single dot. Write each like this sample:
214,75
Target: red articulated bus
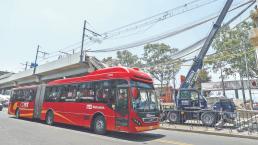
110,99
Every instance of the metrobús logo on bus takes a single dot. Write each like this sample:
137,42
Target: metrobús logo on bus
24,104
90,106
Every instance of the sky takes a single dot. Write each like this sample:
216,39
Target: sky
56,24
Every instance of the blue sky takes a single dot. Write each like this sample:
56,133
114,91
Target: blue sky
57,24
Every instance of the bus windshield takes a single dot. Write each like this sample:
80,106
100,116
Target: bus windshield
146,99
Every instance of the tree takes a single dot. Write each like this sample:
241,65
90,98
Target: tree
231,46
110,61
123,58
127,59
202,77
159,63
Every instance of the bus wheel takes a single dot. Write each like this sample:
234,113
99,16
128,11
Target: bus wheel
17,114
99,125
50,118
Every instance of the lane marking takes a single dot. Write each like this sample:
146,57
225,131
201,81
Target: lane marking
171,142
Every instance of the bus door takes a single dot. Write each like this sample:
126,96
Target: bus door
39,101
121,106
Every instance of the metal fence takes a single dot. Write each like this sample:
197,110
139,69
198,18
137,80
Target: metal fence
241,121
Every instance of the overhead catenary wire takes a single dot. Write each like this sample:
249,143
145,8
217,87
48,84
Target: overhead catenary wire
193,48
76,46
206,59
177,59
163,35
158,17
152,20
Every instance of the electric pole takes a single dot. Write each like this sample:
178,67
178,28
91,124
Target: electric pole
36,59
248,80
83,37
26,65
222,80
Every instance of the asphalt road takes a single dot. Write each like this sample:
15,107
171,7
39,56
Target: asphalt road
26,132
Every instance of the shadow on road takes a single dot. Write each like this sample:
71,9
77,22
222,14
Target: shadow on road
138,137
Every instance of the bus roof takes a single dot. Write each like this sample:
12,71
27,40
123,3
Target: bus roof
107,74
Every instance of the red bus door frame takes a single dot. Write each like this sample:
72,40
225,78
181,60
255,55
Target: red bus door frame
121,110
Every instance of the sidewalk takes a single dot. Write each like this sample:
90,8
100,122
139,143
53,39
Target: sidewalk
209,130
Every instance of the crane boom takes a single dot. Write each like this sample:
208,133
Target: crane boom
198,61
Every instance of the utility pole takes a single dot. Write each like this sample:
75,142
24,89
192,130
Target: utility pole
36,59
243,89
83,37
222,80
35,63
248,80
26,65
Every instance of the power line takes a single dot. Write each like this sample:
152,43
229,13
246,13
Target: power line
164,35
149,21
158,17
76,45
177,59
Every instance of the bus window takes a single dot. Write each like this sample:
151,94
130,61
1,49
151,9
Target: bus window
14,96
63,90
29,94
52,95
71,93
85,92
20,95
102,91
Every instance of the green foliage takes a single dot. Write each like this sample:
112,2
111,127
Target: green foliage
124,58
110,61
156,60
159,63
230,47
127,59
202,77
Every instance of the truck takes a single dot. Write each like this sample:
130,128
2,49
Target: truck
190,104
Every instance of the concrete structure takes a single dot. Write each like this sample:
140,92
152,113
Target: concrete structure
64,67
231,85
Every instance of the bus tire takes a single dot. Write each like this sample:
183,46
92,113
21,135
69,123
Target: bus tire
17,113
99,125
50,118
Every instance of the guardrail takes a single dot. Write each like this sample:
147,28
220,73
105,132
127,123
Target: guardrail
241,121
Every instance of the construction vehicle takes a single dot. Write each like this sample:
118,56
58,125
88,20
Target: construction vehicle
190,104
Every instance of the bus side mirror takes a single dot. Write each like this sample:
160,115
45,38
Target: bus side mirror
134,92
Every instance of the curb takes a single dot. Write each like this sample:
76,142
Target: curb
211,133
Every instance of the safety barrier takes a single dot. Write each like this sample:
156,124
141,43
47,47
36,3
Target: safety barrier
240,122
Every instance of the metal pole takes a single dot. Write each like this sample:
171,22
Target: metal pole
26,65
222,80
83,35
243,89
35,63
248,80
